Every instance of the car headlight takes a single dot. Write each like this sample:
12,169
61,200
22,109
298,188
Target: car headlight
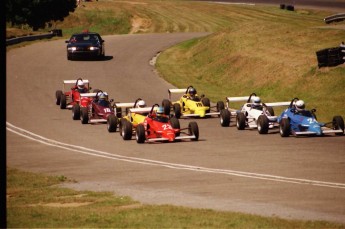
93,48
71,48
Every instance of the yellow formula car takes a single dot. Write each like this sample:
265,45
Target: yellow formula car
190,104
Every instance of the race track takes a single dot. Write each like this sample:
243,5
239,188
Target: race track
227,169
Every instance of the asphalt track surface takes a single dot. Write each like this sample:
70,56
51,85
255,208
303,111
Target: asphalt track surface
227,169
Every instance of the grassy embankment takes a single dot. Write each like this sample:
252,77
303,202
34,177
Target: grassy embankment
36,201
252,49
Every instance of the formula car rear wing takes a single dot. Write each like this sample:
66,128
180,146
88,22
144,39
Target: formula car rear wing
74,82
140,110
176,91
88,94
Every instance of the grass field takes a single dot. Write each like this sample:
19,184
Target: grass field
37,201
260,49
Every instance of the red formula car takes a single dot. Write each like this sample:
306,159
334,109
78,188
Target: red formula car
67,97
156,126
96,108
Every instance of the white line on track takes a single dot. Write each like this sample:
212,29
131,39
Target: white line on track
97,153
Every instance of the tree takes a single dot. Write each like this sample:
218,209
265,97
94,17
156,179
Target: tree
36,13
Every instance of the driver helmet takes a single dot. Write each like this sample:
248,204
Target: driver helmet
80,85
192,92
160,111
300,105
103,96
257,100
141,104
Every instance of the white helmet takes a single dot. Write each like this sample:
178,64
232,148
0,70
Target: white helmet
257,100
141,103
103,96
300,105
80,84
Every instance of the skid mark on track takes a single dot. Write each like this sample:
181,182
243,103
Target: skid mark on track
97,153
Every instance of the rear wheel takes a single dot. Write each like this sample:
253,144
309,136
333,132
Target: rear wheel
112,123
140,134
193,129
225,117
270,110
84,116
63,101
263,124
76,112
166,106
284,127
338,124
58,94
240,121
177,110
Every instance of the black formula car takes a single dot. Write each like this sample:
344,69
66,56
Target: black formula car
85,45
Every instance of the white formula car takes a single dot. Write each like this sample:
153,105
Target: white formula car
253,114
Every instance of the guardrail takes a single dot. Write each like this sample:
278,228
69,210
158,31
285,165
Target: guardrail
17,40
334,18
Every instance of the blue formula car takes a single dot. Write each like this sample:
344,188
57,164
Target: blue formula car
295,120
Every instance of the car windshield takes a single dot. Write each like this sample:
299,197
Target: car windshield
84,38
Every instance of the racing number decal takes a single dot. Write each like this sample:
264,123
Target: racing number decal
107,110
199,104
166,127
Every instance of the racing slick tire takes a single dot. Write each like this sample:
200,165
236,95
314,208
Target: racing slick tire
166,106
240,121
284,127
177,110
76,112
270,110
225,117
206,102
140,134
112,123
220,106
175,123
126,130
193,129
338,124
84,116
58,94
63,101
263,124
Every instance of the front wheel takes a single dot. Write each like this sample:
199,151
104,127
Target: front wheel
84,116
225,116
263,124
193,129
76,112
240,121
206,102
338,124
63,101
220,106
112,123
140,133
58,94
284,127
126,130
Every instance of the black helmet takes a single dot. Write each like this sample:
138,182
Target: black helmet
192,91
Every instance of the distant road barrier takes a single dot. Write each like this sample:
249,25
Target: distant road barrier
17,40
330,57
334,18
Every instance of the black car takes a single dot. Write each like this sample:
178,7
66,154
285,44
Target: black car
85,45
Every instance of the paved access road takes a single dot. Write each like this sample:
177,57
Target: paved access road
226,170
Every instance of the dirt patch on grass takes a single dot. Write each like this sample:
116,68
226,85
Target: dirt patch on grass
140,24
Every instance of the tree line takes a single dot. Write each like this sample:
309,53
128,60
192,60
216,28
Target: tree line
36,13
